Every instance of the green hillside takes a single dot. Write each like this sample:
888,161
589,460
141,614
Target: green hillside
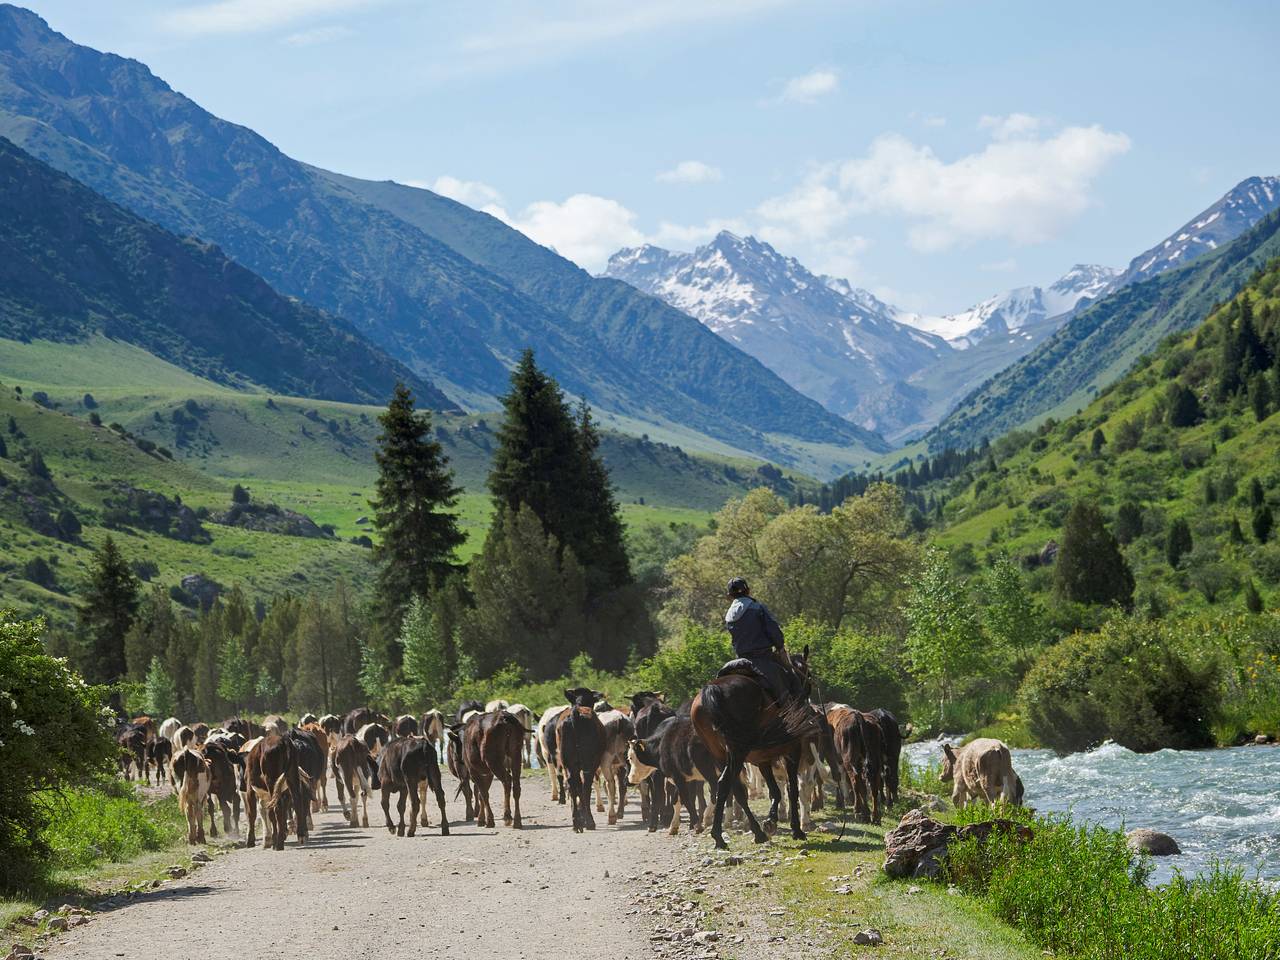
1190,437
1098,345
309,456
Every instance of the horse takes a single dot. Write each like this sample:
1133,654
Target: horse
741,722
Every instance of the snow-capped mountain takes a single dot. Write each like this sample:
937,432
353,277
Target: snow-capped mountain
1238,210
826,338
1013,310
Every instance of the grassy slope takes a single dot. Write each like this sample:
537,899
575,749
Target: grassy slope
284,450
1006,515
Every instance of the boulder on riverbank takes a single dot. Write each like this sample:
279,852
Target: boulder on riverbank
917,846
1153,842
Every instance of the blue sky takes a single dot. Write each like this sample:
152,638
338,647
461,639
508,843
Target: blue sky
932,152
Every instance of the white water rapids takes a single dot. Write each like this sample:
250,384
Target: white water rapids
1220,805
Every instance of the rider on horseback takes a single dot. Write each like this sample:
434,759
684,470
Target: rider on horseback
757,638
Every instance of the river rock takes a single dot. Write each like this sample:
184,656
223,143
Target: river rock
871,937
918,837
1153,842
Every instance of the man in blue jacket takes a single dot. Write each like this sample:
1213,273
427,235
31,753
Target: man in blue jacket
757,637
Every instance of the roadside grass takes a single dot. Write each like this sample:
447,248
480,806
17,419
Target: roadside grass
1079,891
104,839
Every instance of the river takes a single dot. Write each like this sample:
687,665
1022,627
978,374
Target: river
1218,804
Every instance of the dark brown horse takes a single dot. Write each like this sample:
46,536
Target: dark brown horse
741,722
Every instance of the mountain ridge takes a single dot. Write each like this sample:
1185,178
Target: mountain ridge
112,124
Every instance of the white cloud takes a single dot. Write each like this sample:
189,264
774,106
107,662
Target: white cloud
1007,265
473,193
585,228
251,16
316,36
690,171
1010,126
811,210
1023,189
675,236
810,86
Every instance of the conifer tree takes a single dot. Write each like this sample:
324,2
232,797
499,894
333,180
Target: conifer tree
1098,441
415,496
1263,522
1178,544
1252,598
1257,496
1090,567
602,548
161,694
1184,406
108,611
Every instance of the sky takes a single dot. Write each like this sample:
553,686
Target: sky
933,153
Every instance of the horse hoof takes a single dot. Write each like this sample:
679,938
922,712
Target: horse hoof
799,835
720,844
761,838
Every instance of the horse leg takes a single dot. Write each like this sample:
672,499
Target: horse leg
775,795
728,778
740,791
793,798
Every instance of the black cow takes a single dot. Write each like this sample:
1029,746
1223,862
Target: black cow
408,766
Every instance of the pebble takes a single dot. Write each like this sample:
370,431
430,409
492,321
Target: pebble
914,888
869,937
20,950
201,857
59,924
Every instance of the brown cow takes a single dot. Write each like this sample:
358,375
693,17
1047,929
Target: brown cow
352,768
618,734
981,770
133,751
408,766
580,740
492,744
319,773
857,738
222,785
675,752
272,777
458,767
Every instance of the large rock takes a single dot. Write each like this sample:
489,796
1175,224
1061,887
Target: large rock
204,590
917,846
1153,842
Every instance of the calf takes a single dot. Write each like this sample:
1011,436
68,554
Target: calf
160,757
375,737
580,741
276,724
408,766
307,718
465,709
194,775
618,734
494,705
222,784
352,767
648,710
458,767
361,716
491,747
167,729
525,716
891,741
133,751
857,745
405,726
245,727
980,770
332,725
674,752
273,778
313,756
431,726
545,746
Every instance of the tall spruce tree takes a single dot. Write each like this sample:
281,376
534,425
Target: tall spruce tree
602,549
1090,567
415,496
108,611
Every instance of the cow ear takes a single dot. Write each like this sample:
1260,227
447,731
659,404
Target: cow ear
951,754
568,695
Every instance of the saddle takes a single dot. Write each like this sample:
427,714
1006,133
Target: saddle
743,667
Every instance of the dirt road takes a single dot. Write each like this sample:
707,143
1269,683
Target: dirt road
539,892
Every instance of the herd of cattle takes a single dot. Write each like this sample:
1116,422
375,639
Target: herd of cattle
280,772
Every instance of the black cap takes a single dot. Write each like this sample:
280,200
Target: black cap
738,587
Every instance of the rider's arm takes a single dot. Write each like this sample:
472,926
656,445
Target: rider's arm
772,630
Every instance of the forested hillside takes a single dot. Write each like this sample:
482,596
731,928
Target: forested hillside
1100,343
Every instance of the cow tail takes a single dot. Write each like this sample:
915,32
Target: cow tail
279,790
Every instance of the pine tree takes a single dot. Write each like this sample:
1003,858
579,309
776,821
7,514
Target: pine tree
1252,598
1260,397
602,548
1234,533
1184,406
1257,496
1263,522
236,680
1178,543
161,693
209,642
539,459
1128,523
415,495
152,632
239,495
109,607
1090,567
1098,442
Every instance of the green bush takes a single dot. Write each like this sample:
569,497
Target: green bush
54,734
108,823
1081,892
680,669
1129,682
852,668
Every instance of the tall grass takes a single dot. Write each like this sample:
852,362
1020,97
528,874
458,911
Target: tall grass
1080,892
108,823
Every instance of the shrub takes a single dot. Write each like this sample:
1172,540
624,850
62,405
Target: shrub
53,735
108,823
680,670
1079,891
1128,683
849,667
